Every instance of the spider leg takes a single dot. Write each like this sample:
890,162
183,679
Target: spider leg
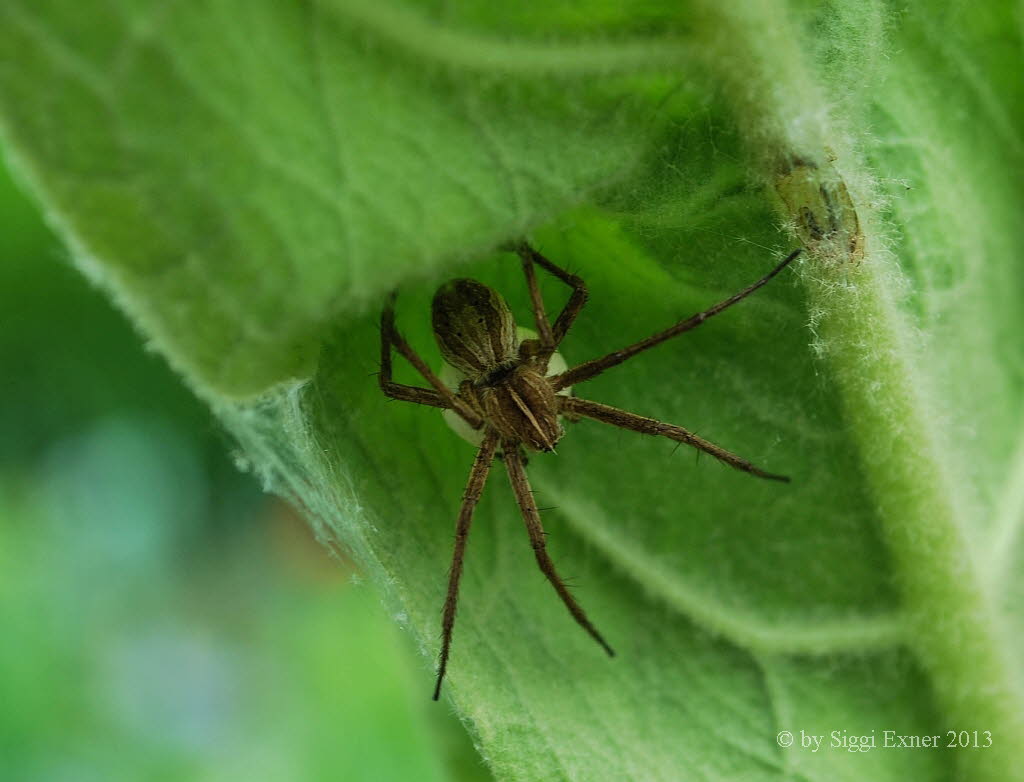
594,367
474,488
540,316
420,396
572,308
638,423
441,396
528,507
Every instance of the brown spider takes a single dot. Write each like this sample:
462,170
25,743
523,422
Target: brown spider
507,395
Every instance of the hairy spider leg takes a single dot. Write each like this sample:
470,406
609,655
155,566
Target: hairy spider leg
415,394
540,316
594,367
551,336
442,396
528,507
474,488
624,419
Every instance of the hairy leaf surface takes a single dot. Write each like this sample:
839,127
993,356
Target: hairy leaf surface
250,179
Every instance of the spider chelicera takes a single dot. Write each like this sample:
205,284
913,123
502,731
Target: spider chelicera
508,396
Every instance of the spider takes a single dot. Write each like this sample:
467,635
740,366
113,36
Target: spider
507,396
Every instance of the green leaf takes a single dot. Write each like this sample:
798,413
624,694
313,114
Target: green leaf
250,179
243,176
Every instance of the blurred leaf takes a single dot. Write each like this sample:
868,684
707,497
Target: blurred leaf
249,180
243,669
68,357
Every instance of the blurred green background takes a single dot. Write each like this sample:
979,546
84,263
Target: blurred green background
162,618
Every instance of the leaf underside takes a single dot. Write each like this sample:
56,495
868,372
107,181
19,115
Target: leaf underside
250,179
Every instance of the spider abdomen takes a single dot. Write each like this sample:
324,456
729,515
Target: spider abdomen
474,328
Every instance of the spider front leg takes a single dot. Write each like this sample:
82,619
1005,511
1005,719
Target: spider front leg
594,367
551,336
624,419
528,507
441,396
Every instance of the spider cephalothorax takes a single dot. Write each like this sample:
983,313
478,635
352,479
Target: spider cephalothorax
508,396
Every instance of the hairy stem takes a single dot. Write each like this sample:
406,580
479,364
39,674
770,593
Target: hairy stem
953,624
